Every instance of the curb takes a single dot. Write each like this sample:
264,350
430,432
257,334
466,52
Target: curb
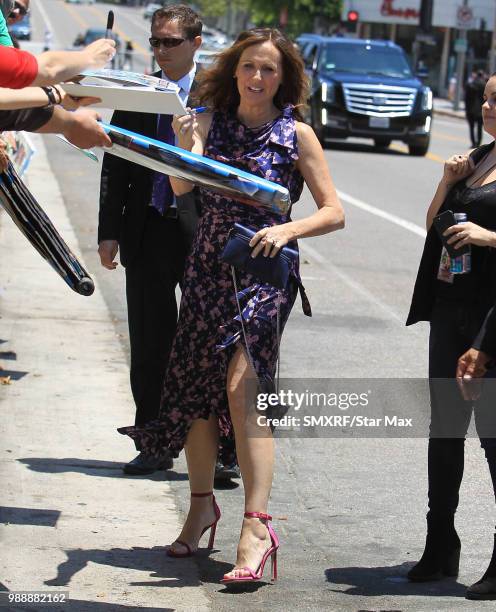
449,113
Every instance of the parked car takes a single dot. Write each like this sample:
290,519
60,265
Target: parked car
214,39
80,1
204,58
22,29
366,88
150,8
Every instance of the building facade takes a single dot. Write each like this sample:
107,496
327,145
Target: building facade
398,20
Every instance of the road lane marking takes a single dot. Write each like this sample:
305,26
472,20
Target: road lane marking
348,280
46,19
379,212
452,138
103,18
75,15
431,156
137,24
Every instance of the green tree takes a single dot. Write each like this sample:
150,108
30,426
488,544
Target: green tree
302,14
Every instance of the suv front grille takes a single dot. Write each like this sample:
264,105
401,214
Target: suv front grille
379,100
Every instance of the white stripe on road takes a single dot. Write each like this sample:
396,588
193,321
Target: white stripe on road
348,280
48,23
378,212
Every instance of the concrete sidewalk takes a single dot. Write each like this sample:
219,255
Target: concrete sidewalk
70,521
444,107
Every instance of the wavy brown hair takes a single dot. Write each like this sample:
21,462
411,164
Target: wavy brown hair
217,86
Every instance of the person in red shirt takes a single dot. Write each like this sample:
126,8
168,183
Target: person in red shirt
17,68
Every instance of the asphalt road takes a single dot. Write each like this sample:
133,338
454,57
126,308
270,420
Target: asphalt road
349,512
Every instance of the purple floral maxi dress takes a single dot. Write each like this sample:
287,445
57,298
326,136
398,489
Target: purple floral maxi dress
209,327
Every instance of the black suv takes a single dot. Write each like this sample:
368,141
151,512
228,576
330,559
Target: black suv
365,88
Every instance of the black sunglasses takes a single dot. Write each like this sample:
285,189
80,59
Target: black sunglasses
168,42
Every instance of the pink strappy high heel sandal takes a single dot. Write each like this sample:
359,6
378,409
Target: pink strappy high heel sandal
271,552
213,527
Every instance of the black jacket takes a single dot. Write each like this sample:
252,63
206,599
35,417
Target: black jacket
424,293
29,119
486,339
126,189
474,97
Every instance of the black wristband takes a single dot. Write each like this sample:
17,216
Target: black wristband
56,91
50,95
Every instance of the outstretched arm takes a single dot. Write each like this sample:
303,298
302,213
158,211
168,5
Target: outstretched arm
58,66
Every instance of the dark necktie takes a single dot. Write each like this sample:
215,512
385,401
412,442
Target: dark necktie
162,194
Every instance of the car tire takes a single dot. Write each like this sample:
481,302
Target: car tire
419,148
382,143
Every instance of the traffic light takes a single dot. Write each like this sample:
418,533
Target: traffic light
353,17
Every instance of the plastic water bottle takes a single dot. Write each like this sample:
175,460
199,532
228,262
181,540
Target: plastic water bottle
462,263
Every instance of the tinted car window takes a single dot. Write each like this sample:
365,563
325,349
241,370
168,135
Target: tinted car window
309,54
364,59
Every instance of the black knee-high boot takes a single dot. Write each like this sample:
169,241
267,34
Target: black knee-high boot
485,588
441,555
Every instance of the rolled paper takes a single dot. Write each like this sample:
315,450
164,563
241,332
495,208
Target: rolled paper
35,224
202,171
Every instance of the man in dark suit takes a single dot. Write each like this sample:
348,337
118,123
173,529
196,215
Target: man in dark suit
139,216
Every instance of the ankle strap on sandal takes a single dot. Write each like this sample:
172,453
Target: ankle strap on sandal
202,494
259,515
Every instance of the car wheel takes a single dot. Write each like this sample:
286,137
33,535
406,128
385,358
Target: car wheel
382,143
419,148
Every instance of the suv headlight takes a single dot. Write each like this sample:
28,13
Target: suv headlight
426,102
328,93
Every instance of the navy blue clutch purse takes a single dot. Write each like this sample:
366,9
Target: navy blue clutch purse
274,271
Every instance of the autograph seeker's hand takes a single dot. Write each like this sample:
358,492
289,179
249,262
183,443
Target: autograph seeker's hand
270,240
456,168
470,233
84,131
100,52
107,249
71,103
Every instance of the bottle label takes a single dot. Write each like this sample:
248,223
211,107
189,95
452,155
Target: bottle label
444,272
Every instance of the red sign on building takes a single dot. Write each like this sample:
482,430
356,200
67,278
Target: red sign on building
389,10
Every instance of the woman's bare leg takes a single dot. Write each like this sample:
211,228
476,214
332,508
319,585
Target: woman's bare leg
255,452
201,453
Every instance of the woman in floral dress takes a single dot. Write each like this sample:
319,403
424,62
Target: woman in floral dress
254,92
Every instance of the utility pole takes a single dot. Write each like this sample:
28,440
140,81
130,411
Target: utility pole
424,35
461,49
492,53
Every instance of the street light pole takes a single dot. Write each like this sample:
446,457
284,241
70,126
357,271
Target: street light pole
492,54
460,64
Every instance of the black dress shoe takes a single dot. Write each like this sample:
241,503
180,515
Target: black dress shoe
145,464
225,472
